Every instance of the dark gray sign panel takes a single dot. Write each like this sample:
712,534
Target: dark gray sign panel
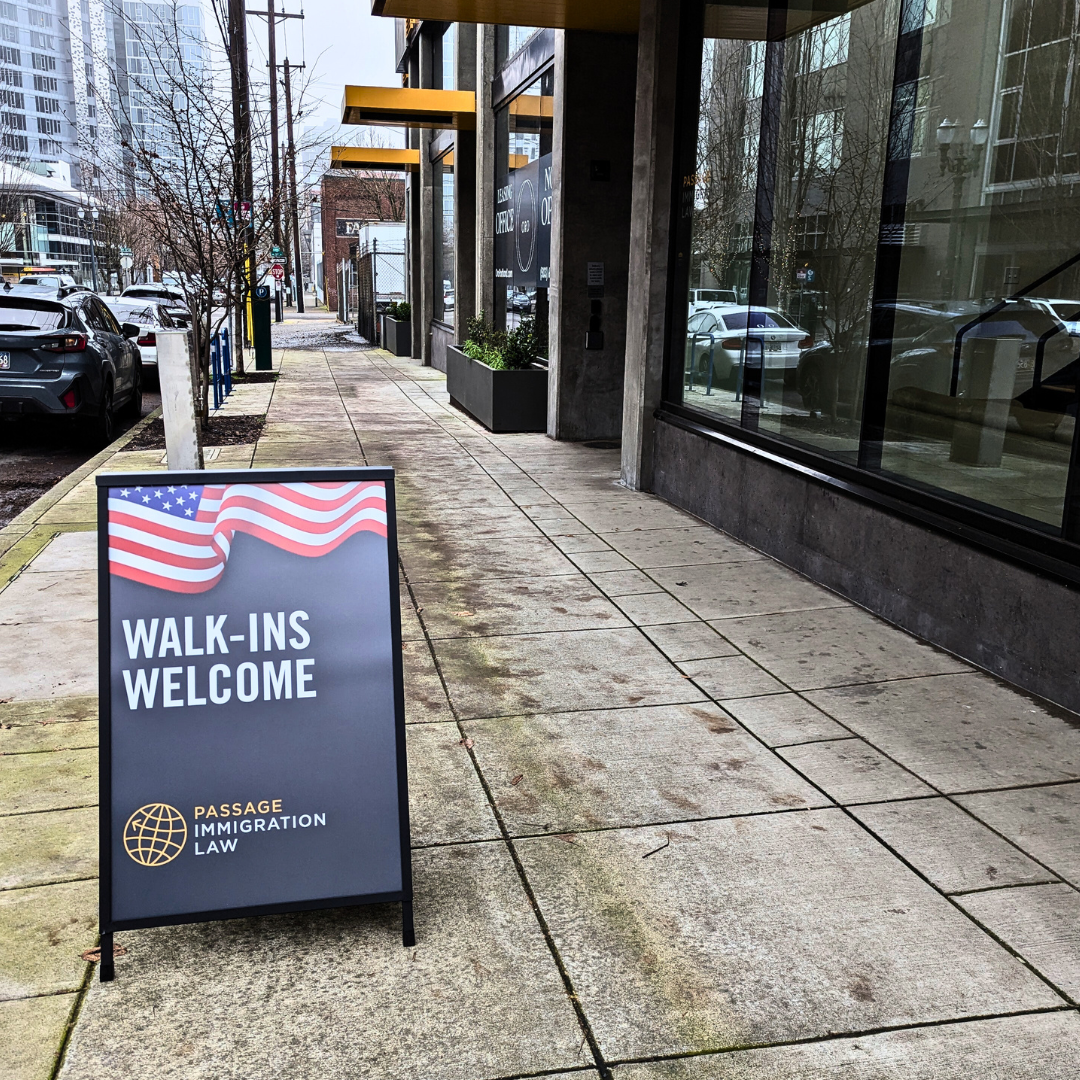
523,211
253,741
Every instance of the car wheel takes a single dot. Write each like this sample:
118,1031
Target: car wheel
101,429
133,408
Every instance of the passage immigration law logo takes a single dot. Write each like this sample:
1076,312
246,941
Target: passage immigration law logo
155,834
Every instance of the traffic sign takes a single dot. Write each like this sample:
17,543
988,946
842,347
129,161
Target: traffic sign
126,262
805,274
277,252
278,272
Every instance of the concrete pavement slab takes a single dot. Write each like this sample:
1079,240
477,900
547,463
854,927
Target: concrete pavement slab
628,512
38,849
624,582
50,781
333,994
49,597
447,804
596,562
683,546
43,932
47,736
784,719
962,732
558,672
48,711
1041,922
852,772
1044,822
419,523
470,606
759,930
652,609
689,641
457,557
1043,1046
584,770
425,698
730,677
31,1031
728,590
69,551
953,850
835,646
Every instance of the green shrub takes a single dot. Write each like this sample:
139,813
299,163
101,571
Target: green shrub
400,310
498,348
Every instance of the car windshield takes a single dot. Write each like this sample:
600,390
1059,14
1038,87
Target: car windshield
1029,325
24,314
1069,311
154,294
757,320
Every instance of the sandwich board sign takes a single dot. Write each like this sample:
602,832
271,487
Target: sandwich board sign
251,701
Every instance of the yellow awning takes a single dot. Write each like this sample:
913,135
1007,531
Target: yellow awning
408,107
374,157
613,16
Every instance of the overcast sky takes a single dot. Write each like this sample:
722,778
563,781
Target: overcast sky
340,43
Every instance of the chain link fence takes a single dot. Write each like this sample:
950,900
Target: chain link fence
380,281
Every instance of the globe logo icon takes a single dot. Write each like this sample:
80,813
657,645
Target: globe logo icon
155,834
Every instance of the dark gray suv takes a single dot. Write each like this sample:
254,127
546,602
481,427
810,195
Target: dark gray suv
68,357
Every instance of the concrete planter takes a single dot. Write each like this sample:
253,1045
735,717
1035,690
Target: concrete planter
500,400
397,336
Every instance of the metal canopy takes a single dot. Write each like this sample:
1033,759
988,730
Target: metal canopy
612,16
407,107
374,157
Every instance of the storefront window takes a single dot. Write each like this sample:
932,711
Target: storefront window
884,242
523,204
509,40
443,206
448,67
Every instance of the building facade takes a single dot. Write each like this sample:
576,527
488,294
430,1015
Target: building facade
817,269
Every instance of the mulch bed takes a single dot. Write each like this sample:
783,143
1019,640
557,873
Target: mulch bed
254,376
221,431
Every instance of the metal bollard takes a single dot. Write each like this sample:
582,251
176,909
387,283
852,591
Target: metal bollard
215,371
226,359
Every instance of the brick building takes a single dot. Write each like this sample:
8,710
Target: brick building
351,200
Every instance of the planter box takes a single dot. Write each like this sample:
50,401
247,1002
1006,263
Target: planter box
500,400
397,336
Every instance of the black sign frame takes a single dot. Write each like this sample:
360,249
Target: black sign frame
108,925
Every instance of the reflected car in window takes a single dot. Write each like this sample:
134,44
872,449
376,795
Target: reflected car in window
718,337
150,316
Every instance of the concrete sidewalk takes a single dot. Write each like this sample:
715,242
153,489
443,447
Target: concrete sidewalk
677,811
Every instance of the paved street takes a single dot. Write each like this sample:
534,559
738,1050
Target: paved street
678,813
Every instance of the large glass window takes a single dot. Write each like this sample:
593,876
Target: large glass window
523,206
448,66
443,208
883,227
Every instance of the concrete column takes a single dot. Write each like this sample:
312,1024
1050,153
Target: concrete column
465,66
426,209
412,231
485,172
650,228
592,166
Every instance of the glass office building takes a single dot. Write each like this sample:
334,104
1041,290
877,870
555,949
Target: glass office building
817,270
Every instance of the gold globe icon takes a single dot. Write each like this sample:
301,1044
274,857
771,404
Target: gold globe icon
155,834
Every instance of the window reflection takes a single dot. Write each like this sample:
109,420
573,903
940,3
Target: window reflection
964,300
443,206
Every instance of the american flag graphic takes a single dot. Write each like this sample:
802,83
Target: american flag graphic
178,537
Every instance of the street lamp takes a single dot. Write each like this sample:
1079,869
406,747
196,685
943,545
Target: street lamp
93,250
961,160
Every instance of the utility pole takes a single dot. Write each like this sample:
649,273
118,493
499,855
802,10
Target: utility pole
272,18
294,208
243,181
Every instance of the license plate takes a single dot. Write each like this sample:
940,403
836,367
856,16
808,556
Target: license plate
773,346
5,361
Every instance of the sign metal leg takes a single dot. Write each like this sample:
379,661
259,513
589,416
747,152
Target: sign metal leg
107,969
408,933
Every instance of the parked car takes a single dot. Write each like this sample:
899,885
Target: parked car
717,338
68,357
1068,311
52,284
706,297
150,316
830,381
172,298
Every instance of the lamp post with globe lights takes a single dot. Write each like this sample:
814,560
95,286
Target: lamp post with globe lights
960,160
93,248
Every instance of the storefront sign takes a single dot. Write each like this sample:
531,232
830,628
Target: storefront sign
523,212
252,744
